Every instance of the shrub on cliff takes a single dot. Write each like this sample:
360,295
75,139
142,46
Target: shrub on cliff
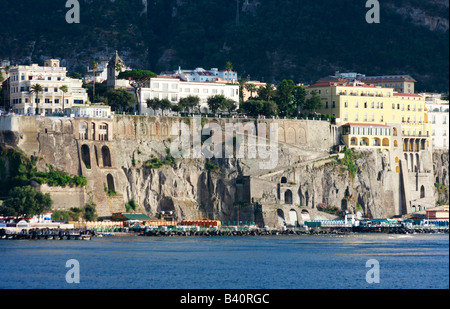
26,201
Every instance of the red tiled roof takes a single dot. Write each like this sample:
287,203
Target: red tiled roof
349,124
392,78
407,95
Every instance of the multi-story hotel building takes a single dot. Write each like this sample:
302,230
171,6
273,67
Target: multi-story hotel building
376,118
51,77
400,83
174,89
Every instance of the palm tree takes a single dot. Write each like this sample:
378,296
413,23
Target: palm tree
229,68
94,66
37,88
64,89
251,88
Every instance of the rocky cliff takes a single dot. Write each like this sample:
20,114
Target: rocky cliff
134,163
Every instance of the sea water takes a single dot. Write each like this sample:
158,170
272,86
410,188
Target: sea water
274,262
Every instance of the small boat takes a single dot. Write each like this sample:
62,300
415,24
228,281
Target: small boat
86,237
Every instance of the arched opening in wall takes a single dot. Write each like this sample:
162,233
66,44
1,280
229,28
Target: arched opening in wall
364,141
103,132
413,208
411,158
422,192
93,131
293,218
96,155
394,131
86,156
396,160
288,197
423,144
419,208
307,199
354,141
385,142
416,145
417,163
283,180
376,142
397,169
106,156
291,136
83,130
281,135
405,145
280,215
395,143
110,183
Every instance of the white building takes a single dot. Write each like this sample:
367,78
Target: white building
201,75
51,77
438,115
174,89
91,111
100,75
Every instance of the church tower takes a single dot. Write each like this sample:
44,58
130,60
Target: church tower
115,66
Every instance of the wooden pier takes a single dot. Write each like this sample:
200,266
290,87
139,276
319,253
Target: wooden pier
57,234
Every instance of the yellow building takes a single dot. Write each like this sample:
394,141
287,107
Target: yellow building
373,117
400,83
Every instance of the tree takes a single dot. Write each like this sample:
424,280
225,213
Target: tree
156,103
299,97
314,102
26,201
228,68
137,78
191,103
37,88
251,88
284,98
64,90
241,82
90,214
216,102
119,99
266,93
270,108
253,107
94,66
230,105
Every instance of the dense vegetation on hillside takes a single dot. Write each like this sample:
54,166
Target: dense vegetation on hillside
301,40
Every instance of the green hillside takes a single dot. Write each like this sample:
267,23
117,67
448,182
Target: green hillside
301,40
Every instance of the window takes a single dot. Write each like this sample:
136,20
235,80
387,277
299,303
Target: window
334,104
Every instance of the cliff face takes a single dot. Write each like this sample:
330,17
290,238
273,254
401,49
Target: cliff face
441,162
133,163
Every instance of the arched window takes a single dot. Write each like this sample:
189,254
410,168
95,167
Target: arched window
106,156
86,156
110,183
422,192
288,197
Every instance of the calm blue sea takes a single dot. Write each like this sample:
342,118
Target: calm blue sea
286,262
